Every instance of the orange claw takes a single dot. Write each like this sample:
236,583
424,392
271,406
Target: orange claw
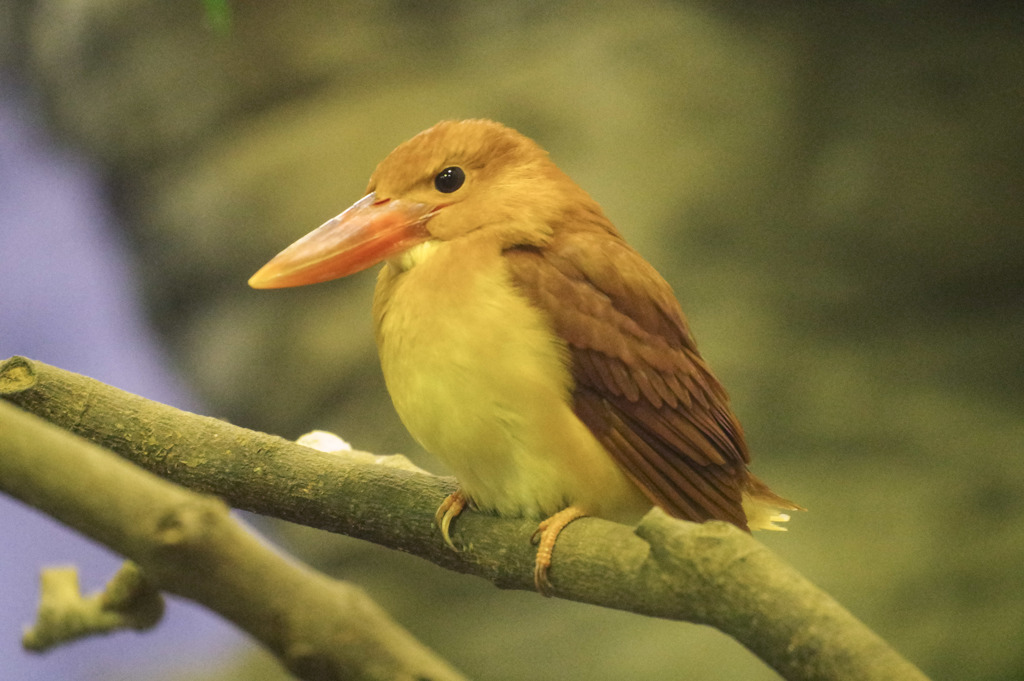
449,509
545,536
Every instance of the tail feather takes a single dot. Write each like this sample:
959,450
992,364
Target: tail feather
764,508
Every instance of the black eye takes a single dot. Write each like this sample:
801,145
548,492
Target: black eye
449,179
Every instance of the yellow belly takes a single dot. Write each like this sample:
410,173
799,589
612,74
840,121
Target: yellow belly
481,382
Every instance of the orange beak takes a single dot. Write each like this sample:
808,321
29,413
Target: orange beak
368,232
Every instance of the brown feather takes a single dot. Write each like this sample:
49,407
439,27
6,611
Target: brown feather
640,385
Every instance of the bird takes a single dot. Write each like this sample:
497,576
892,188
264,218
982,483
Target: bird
526,345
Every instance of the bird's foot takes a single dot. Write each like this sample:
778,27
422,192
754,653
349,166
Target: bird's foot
449,509
544,537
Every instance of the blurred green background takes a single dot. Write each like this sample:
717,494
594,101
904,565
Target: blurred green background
833,190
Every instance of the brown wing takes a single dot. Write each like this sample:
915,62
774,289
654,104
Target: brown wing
640,384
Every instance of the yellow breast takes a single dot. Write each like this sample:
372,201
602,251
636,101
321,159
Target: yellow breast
481,382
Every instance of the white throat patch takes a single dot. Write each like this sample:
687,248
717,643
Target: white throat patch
415,255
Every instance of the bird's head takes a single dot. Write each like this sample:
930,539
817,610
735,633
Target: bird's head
451,180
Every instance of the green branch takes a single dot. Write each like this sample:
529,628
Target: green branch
708,574
188,544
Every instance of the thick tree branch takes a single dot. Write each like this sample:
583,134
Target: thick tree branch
187,543
709,574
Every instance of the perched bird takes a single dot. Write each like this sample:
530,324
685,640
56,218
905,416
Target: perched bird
526,345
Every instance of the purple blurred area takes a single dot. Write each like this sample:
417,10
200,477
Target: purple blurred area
67,298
